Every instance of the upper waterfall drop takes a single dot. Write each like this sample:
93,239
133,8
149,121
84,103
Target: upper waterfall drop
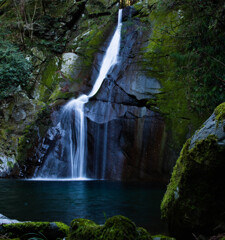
72,125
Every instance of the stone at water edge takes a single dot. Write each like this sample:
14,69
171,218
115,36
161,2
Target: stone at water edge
115,228
43,230
195,199
5,220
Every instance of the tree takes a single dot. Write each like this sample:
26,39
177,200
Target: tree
15,70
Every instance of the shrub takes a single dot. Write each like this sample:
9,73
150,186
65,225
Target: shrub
15,70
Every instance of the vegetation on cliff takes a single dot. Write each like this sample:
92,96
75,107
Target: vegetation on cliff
186,49
185,53
15,70
37,34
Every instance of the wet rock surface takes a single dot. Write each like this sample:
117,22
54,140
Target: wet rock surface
50,230
210,127
116,115
127,135
5,220
125,140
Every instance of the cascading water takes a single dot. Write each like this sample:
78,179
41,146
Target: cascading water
72,126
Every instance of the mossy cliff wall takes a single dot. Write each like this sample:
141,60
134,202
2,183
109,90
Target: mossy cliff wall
63,47
76,27
195,200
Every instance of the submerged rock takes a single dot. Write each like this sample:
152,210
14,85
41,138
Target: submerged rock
195,199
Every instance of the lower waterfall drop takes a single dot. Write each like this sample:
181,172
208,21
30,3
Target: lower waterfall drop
72,124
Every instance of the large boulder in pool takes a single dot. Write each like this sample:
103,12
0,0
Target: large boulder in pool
194,202
34,230
115,228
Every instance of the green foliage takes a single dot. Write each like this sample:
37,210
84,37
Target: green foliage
158,62
15,70
188,48
30,140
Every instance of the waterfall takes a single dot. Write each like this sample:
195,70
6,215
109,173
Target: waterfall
72,126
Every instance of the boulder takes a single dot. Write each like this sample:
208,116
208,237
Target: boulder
194,202
35,230
115,228
5,220
6,163
69,63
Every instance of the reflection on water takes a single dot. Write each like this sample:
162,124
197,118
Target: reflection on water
64,201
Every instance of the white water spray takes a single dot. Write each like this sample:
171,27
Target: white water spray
77,138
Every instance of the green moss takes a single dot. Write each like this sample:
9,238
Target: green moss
3,134
30,140
94,41
172,188
119,227
50,79
143,234
158,62
4,4
143,11
220,112
115,228
50,230
58,94
188,204
83,229
92,33
59,8
10,164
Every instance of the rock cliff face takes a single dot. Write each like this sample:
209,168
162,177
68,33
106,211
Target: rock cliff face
195,200
125,139
58,28
127,134
70,46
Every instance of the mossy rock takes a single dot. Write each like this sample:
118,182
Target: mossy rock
29,141
115,228
83,229
50,231
220,112
195,198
